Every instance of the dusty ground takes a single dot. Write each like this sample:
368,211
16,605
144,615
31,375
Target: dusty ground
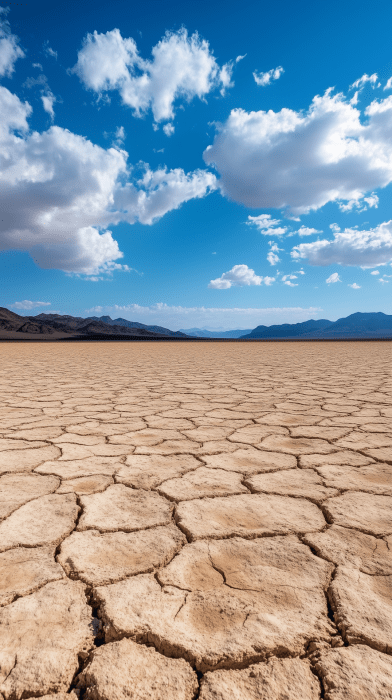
196,520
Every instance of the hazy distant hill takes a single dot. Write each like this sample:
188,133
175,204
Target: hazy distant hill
358,325
200,333
288,330
134,324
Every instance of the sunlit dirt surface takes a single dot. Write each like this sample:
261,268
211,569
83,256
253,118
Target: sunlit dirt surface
196,520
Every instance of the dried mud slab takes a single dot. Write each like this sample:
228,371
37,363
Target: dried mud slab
169,447
287,419
297,446
99,559
10,444
359,440
362,608
240,602
361,511
250,461
90,466
355,673
24,570
318,431
384,454
250,515
40,433
294,482
128,671
122,508
85,484
277,679
346,547
254,434
41,636
203,482
96,428
26,460
44,521
17,489
375,478
148,471
351,459
77,439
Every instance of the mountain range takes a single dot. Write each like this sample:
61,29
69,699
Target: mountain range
358,325
58,327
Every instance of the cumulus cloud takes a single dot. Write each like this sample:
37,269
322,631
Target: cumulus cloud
48,51
361,82
176,317
239,276
267,225
375,272
182,67
383,281
287,280
333,278
168,129
267,78
305,231
358,205
9,49
299,161
48,102
350,247
27,305
59,193
354,286
273,257
388,84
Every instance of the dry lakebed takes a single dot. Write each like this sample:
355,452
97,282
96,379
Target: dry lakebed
182,521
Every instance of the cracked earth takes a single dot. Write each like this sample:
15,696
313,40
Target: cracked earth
207,521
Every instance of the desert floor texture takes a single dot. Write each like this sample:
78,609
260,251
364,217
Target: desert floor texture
196,520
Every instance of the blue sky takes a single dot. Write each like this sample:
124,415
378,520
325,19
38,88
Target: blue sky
210,164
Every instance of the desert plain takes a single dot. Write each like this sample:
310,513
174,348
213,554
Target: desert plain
182,520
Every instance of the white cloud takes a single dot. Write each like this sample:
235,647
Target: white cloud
350,247
267,78
305,231
361,82
168,129
175,317
354,286
59,192
48,51
9,49
273,257
375,272
27,305
287,280
388,84
181,67
267,225
239,276
333,278
383,281
358,204
48,101
299,161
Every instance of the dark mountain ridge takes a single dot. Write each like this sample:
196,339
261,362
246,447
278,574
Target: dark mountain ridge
357,325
